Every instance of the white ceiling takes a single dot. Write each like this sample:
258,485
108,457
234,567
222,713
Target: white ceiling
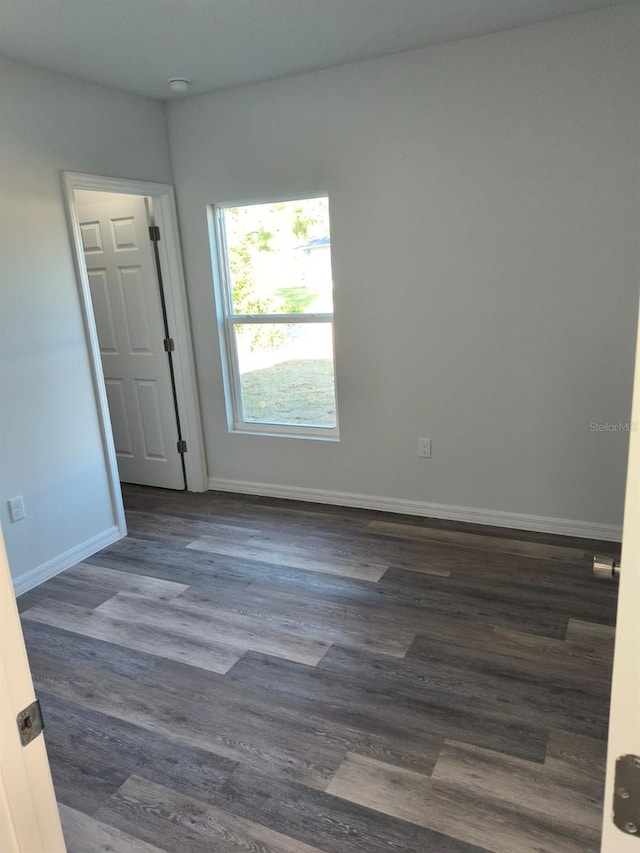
137,44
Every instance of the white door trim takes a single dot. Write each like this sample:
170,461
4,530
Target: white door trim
165,213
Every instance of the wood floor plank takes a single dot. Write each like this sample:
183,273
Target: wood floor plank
369,570
227,629
531,608
352,546
315,819
90,574
92,750
48,645
593,635
465,691
524,784
205,570
84,834
337,825
182,822
486,821
178,528
70,593
86,771
586,756
503,545
92,754
244,510
158,640
363,698
88,585
229,723
512,654
273,605
155,558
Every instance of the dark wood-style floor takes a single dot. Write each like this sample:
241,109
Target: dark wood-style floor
245,674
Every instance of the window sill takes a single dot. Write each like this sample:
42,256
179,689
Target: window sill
242,429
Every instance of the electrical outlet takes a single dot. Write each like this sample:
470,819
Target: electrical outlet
424,448
16,508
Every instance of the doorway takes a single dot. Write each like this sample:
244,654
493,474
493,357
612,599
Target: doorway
129,267
128,301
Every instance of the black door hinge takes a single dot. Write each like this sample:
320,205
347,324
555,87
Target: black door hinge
626,797
30,723
182,447
154,233
169,345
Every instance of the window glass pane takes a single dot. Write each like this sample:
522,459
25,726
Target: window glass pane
286,373
279,257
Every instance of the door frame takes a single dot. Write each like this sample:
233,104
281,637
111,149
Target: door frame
166,217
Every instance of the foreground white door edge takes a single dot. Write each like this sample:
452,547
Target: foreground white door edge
624,723
29,819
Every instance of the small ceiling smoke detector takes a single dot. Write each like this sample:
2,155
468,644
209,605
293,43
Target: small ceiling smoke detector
179,84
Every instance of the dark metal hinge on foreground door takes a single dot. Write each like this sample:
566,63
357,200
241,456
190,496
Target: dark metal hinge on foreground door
169,345
30,722
154,233
626,795
182,447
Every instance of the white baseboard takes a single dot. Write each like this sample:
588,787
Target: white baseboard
494,518
64,561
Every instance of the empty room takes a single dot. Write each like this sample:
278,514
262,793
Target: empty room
319,405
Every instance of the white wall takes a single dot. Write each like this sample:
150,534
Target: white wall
50,449
485,233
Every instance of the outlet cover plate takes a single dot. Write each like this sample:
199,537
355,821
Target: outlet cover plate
424,448
16,508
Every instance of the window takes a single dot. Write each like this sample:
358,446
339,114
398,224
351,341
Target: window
275,301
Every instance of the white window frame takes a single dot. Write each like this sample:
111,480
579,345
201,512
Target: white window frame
227,319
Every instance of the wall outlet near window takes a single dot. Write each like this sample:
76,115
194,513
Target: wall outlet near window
16,508
424,448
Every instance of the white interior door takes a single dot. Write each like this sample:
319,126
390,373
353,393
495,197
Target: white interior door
624,724
29,820
129,320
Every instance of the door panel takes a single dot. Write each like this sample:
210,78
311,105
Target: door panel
624,721
99,287
124,234
91,238
135,311
129,322
119,418
149,406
